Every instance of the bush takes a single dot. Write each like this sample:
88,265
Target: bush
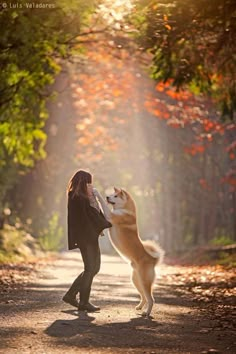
17,245
51,237
221,241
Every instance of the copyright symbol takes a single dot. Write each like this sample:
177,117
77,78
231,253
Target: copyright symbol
4,5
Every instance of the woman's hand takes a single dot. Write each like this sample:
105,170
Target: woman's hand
95,192
92,191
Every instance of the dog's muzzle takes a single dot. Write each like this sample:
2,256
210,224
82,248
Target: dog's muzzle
109,201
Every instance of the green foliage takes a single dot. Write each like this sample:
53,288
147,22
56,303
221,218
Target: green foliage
33,44
16,245
51,237
228,260
8,176
221,241
193,44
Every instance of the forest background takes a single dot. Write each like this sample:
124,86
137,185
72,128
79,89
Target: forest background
141,93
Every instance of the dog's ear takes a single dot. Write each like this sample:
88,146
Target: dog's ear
123,192
117,190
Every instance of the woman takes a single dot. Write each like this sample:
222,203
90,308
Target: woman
85,223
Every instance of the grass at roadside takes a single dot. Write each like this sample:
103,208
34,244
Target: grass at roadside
17,245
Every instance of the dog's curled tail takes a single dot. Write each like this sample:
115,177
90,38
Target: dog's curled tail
152,248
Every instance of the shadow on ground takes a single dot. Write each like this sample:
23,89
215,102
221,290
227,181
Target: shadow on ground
35,316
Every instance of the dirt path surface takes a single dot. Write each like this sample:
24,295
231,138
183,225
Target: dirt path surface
35,320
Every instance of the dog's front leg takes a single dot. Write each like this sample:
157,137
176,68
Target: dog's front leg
105,208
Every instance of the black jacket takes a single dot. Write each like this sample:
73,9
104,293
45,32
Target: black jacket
85,223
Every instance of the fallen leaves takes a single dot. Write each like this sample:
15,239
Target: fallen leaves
15,275
213,288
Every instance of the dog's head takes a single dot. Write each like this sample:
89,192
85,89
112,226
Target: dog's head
118,199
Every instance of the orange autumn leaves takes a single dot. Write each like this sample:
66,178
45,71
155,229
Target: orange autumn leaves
183,110
105,99
186,110
110,91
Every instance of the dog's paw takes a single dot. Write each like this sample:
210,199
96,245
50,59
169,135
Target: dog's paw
138,307
147,315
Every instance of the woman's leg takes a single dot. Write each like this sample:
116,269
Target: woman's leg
70,296
91,258
75,287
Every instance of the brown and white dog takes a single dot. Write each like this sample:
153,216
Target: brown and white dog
144,255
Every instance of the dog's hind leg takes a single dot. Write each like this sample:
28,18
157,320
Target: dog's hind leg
137,284
147,276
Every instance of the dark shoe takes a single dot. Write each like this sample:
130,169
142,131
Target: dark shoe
88,307
70,300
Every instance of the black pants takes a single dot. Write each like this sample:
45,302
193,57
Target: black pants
92,260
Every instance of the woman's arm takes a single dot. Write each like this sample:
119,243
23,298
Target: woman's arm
105,208
92,198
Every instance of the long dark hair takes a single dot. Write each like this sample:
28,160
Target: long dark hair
78,184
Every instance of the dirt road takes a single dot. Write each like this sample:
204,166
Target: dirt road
35,320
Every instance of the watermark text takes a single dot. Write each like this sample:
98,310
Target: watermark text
26,5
